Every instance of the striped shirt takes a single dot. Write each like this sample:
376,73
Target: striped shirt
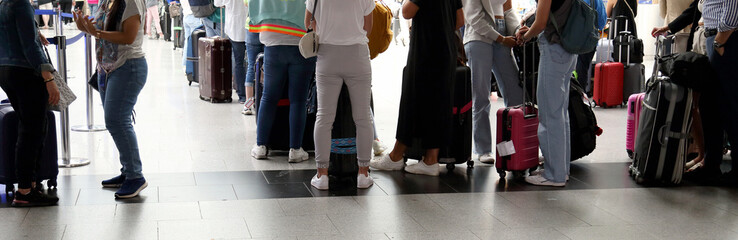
721,14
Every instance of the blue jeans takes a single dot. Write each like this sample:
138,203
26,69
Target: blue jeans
484,57
284,65
93,9
190,24
253,48
212,28
554,74
239,68
118,97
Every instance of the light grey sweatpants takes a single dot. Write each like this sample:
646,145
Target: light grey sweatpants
338,64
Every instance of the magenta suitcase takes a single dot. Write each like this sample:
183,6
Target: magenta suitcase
635,103
518,124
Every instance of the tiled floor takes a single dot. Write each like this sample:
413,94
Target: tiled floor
204,185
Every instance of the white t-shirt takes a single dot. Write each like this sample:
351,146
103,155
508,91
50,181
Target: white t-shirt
235,22
278,39
341,22
186,10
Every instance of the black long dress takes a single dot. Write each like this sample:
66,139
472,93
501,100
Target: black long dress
426,102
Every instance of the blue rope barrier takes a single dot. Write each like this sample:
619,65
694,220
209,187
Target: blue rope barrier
70,41
52,12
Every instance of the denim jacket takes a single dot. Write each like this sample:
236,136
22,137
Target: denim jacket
19,42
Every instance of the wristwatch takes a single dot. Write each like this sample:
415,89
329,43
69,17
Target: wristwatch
717,45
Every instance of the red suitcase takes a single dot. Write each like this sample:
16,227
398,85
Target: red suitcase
608,84
215,69
517,134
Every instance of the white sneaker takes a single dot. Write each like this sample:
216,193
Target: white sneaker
363,182
320,183
378,147
423,169
541,181
487,158
385,163
248,107
297,155
247,111
540,171
259,152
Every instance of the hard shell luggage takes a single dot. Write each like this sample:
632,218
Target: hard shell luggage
582,122
215,70
634,79
279,137
608,84
343,167
195,58
517,131
635,104
460,149
165,22
48,168
603,51
178,37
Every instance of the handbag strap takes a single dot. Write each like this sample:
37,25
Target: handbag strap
47,55
312,17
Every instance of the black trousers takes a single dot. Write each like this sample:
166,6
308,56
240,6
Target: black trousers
725,106
584,61
29,98
66,8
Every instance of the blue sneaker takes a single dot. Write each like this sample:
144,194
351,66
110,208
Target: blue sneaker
131,188
114,182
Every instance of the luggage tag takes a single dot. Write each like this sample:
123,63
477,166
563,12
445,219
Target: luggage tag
506,148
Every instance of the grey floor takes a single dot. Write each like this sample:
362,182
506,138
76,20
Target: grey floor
195,155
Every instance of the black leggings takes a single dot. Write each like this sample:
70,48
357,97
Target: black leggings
66,8
28,95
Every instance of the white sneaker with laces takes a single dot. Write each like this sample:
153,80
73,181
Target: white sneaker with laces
363,182
297,155
259,152
385,163
487,158
248,106
540,171
378,147
539,180
320,183
247,111
423,169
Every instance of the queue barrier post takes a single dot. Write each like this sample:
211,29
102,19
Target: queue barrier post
90,127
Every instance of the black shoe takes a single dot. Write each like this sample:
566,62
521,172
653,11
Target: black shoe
33,199
114,182
704,176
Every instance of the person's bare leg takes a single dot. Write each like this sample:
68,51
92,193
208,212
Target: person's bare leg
324,171
398,152
431,156
698,135
249,92
362,170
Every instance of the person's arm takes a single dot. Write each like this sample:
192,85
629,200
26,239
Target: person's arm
544,9
459,19
474,14
409,9
727,24
601,14
682,21
127,36
368,23
29,43
610,6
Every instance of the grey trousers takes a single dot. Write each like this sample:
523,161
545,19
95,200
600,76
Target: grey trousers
337,65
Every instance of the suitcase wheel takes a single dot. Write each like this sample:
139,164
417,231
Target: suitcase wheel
190,83
450,166
502,173
202,98
470,164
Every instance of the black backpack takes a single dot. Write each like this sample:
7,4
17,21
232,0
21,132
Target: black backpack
582,122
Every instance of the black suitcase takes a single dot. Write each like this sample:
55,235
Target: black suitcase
344,165
178,37
48,168
460,149
194,42
279,137
628,48
663,133
166,22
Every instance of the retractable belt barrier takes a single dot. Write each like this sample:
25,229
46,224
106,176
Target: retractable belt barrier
66,160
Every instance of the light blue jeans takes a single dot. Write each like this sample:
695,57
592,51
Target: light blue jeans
484,57
119,92
554,75
190,24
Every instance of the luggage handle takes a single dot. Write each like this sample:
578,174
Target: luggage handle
525,83
621,35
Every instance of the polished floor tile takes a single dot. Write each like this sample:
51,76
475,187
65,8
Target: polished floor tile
204,229
196,193
157,211
279,190
240,208
135,230
521,233
290,226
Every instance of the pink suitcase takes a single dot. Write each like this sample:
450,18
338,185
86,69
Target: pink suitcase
518,124
635,103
